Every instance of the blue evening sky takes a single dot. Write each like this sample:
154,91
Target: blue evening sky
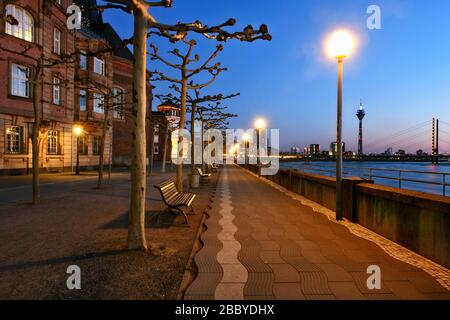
401,72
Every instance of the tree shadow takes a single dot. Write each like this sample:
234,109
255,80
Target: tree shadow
155,219
62,260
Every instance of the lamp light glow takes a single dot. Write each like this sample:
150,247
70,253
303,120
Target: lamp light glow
340,44
260,123
78,130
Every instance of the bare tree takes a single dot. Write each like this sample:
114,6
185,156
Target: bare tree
144,26
193,101
186,83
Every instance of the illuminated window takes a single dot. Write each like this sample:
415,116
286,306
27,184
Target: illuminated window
56,41
25,27
14,138
20,81
52,142
82,145
56,91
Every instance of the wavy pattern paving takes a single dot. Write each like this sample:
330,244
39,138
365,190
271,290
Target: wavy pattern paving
260,243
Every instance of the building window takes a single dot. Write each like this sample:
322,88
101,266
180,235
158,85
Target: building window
156,151
96,145
24,28
82,145
14,139
56,91
117,103
99,66
56,41
98,103
20,81
53,142
83,100
83,60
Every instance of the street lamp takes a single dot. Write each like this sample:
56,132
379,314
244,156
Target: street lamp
246,137
78,131
339,46
260,124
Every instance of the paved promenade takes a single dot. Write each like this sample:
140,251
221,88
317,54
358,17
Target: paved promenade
262,244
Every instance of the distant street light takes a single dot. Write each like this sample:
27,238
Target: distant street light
260,124
339,46
78,132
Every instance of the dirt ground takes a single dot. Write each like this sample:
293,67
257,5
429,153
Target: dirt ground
79,225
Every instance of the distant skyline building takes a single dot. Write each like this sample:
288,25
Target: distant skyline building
360,114
314,149
333,148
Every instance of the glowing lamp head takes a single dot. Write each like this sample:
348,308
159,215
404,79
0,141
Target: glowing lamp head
260,123
340,44
78,130
246,137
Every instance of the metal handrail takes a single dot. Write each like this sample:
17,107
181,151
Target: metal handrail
400,179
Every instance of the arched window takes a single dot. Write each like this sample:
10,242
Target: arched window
25,27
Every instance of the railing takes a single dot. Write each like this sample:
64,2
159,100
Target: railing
398,175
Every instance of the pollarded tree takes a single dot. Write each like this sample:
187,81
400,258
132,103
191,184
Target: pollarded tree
193,101
144,26
186,83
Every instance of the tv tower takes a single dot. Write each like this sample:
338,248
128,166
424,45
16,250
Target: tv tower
360,114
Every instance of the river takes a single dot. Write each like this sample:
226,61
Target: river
423,171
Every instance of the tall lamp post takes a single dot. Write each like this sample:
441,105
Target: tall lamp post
246,138
260,124
78,131
339,45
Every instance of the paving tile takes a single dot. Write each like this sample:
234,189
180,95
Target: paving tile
269,245
204,284
314,256
320,297
335,272
230,291
405,290
284,273
259,284
346,291
271,257
288,291
314,283
234,273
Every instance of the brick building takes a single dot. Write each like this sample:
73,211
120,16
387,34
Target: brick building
94,92
41,29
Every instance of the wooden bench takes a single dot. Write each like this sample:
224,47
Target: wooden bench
174,199
202,174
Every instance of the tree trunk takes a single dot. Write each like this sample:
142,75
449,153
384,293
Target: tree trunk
180,138
102,149
193,110
166,142
136,219
35,138
203,136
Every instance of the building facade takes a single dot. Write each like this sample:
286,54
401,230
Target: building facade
91,90
38,32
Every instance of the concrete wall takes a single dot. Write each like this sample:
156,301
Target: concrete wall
415,220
